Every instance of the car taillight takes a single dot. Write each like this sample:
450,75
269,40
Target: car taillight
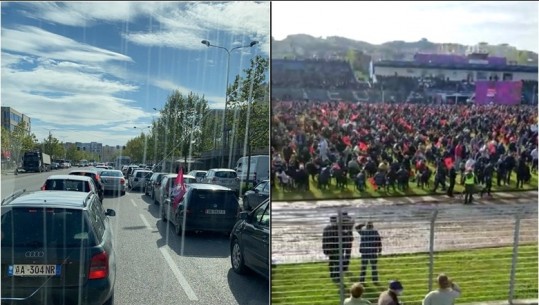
122,181
99,266
44,187
97,177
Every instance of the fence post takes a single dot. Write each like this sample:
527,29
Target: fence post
515,259
341,254
431,248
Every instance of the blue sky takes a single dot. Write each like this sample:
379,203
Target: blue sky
466,22
90,71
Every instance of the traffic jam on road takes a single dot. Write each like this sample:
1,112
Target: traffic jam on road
74,258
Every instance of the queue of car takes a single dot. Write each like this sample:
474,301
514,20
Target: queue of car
71,208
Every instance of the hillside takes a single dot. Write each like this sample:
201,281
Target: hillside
303,46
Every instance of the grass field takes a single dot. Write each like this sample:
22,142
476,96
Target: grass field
482,274
314,193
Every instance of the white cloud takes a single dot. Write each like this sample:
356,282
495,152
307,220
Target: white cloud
38,42
180,25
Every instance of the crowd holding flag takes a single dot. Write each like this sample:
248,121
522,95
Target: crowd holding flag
179,188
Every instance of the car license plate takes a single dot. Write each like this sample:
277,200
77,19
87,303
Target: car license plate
34,270
218,212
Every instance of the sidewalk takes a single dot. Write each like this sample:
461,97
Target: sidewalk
500,197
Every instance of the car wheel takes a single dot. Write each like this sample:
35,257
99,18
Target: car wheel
178,227
236,257
163,215
110,301
146,192
123,193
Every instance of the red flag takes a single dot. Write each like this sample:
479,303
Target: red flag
363,146
179,189
346,140
448,162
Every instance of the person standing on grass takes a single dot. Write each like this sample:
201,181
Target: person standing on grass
370,248
391,296
330,246
445,294
356,291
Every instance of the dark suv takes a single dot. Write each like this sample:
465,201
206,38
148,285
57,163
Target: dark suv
209,208
57,248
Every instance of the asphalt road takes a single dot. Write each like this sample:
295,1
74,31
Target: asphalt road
150,267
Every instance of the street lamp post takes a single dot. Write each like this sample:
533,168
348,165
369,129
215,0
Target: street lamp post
208,44
145,142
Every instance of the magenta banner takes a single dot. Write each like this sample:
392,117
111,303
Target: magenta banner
498,92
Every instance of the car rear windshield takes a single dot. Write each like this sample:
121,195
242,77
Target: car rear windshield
225,174
143,174
112,173
221,198
67,185
45,227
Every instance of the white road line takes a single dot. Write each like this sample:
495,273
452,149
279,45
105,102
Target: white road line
183,282
146,223
133,202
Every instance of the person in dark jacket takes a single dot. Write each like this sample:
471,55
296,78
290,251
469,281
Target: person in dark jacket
330,244
370,248
488,173
439,177
452,179
501,171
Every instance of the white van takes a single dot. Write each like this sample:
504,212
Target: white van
259,169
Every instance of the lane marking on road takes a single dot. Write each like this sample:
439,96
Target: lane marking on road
146,223
179,276
133,202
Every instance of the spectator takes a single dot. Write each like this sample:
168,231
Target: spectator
469,185
391,296
330,246
446,293
356,291
452,178
370,248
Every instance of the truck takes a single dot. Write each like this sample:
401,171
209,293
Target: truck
258,169
36,161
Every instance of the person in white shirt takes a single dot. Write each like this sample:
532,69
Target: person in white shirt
445,294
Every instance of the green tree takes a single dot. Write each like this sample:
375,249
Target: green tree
20,141
181,122
251,89
135,148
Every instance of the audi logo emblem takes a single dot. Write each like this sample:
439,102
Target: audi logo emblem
34,254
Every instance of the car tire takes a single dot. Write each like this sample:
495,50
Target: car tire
146,192
163,215
178,227
110,301
236,257
123,193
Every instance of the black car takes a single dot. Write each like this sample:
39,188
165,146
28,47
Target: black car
209,207
249,241
94,174
57,248
254,197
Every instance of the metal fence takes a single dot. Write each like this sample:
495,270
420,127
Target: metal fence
489,250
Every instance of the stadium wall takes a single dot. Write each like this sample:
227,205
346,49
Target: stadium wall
453,75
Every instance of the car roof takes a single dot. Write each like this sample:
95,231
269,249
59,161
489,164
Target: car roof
189,176
93,171
205,186
55,199
222,170
69,177
198,171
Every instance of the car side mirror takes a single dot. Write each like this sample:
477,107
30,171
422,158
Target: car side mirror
256,191
110,212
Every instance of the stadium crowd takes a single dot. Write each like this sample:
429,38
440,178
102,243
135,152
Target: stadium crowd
391,145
